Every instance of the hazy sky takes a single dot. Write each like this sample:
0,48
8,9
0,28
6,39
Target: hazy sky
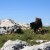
25,10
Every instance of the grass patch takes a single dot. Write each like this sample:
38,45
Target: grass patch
27,36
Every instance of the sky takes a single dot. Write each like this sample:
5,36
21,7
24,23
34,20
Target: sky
25,10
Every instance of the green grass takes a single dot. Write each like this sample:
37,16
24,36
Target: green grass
27,36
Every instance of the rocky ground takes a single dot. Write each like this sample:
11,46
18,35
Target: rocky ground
28,39
22,45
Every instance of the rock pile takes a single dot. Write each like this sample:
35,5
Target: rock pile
22,45
9,26
14,45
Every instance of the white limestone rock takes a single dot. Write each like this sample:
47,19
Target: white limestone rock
14,45
41,41
3,31
22,45
43,46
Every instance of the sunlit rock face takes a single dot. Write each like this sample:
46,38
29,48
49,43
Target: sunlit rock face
41,41
22,45
2,31
6,26
43,46
7,23
24,26
10,26
14,45
10,23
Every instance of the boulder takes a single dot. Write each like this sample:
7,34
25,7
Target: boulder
14,45
43,46
22,45
3,31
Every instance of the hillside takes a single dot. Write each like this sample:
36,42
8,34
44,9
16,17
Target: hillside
27,35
